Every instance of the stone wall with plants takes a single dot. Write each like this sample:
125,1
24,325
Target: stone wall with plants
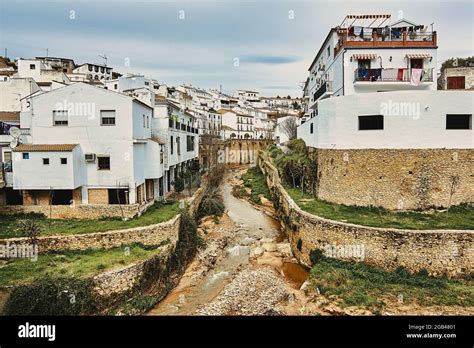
131,289
146,235
439,252
88,211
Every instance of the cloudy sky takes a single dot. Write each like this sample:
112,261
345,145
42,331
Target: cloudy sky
197,42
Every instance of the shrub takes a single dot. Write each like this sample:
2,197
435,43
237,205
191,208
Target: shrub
211,204
52,296
178,184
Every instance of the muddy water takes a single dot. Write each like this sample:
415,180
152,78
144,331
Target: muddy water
295,273
249,223
244,214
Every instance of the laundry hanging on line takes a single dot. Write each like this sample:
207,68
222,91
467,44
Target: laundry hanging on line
415,78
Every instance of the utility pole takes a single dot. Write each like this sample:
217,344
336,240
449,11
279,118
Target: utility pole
47,52
6,52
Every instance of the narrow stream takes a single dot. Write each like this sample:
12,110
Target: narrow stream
250,224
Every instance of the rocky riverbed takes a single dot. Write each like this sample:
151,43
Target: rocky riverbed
247,268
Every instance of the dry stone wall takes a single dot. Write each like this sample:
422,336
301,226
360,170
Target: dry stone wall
449,252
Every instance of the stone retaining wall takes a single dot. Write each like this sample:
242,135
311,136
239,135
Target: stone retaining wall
397,179
87,211
127,278
449,252
147,235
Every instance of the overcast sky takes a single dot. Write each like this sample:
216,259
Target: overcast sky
274,48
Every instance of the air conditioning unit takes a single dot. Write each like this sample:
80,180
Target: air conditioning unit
90,157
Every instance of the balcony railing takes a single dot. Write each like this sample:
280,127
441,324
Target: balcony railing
393,39
390,75
326,87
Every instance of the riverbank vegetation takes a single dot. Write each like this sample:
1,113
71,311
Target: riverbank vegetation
72,263
212,203
296,167
357,284
254,180
159,212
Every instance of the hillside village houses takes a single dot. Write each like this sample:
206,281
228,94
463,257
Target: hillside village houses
87,135
377,121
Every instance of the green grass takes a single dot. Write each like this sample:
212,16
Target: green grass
159,212
459,217
255,180
72,263
357,284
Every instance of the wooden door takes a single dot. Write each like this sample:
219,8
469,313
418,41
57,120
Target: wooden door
456,82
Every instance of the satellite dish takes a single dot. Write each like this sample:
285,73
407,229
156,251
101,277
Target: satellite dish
15,132
14,143
23,138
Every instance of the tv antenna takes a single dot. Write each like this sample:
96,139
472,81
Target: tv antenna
104,57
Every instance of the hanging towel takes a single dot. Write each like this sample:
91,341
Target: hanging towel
357,31
400,75
415,77
367,32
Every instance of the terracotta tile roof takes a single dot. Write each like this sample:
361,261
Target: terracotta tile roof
7,72
10,116
45,148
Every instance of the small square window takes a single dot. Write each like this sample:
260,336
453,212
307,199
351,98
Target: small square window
63,160
459,121
32,66
26,155
45,161
372,122
107,117
103,163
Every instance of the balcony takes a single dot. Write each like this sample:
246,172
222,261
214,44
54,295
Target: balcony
392,40
324,91
391,75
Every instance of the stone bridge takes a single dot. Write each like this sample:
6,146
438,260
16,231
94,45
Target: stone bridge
230,152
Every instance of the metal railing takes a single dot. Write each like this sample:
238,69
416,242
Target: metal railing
325,87
390,74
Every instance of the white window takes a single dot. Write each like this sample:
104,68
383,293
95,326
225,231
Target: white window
60,118
107,117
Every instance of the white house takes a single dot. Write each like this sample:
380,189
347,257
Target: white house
394,120
90,146
97,72
178,130
238,125
373,53
356,63
46,76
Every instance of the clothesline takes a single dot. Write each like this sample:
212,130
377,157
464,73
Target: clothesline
5,127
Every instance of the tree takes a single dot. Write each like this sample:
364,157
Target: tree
289,127
178,184
294,164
